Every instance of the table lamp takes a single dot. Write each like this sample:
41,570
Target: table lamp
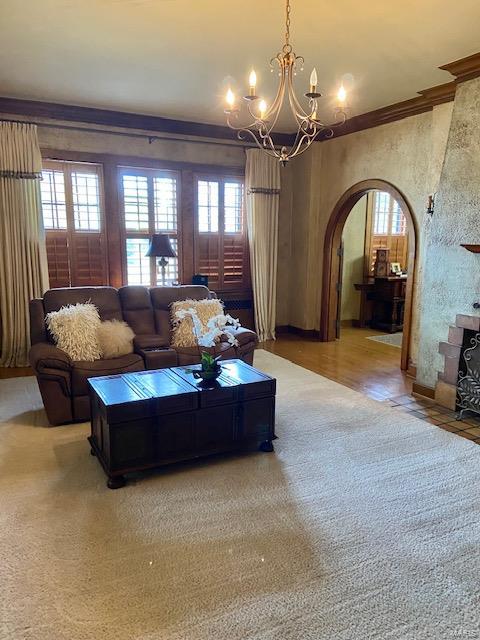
161,247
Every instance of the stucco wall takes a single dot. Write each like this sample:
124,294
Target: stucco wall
353,260
408,153
452,274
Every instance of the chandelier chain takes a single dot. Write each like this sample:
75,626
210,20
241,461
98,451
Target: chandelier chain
287,22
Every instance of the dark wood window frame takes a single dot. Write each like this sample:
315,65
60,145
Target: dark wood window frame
186,209
150,173
221,234
80,246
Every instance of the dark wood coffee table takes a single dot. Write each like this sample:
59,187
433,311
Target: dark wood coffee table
152,418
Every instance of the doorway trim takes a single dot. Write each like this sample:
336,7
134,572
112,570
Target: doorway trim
333,239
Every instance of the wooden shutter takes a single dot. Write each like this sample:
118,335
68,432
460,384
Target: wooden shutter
72,201
221,250
58,259
234,259
88,256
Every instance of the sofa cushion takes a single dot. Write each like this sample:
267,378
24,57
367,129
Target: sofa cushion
149,342
74,330
162,298
137,309
81,371
106,300
115,338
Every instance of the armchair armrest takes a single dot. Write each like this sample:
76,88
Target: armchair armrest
44,355
243,335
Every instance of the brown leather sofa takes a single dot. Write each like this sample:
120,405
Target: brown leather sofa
63,382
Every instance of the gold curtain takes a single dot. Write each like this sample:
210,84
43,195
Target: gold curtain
262,188
23,261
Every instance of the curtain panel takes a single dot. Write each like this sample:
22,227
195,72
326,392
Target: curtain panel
262,193
23,260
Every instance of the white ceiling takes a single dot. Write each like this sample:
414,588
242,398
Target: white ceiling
174,58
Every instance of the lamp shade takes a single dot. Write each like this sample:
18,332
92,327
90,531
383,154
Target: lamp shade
160,247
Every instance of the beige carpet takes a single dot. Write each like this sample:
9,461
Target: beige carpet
363,525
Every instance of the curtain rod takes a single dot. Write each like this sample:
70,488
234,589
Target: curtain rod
150,138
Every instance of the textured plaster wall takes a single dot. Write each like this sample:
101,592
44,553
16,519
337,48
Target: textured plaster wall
451,274
353,259
408,153
172,150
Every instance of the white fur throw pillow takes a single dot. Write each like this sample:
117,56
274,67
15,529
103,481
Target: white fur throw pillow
74,329
115,338
183,334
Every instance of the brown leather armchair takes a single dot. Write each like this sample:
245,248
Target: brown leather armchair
63,382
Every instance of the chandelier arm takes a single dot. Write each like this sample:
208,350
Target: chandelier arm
240,127
294,103
295,151
268,139
273,152
277,103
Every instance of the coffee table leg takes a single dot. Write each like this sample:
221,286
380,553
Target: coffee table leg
116,482
266,446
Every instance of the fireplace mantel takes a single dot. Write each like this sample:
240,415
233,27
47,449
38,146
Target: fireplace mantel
473,248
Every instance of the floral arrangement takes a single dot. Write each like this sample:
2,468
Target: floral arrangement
216,327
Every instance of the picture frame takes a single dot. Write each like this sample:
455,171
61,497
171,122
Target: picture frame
396,268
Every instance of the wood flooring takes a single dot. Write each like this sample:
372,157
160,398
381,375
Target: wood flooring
367,366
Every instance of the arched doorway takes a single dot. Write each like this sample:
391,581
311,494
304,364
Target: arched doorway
331,259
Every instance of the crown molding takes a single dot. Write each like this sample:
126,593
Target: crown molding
121,119
425,101
465,68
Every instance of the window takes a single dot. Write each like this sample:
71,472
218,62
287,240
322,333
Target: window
150,205
221,251
72,206
389,229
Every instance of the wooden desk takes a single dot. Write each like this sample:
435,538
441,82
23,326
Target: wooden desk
389,303
366,302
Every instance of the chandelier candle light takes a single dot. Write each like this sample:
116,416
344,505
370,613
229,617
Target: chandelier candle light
264,118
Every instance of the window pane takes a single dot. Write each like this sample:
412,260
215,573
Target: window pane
165,204
207,206
233,194
135,202
54,208
399,222
86,201
381,213
138,265
171,269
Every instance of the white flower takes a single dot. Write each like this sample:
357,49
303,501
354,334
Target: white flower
217,327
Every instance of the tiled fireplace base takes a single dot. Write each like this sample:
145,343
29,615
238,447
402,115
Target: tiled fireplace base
446,387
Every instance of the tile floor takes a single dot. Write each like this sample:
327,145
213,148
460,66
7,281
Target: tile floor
468,427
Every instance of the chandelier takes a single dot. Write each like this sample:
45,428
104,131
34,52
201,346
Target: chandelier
263,118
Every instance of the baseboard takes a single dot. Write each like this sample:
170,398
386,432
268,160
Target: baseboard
411,372
421,390
309,334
